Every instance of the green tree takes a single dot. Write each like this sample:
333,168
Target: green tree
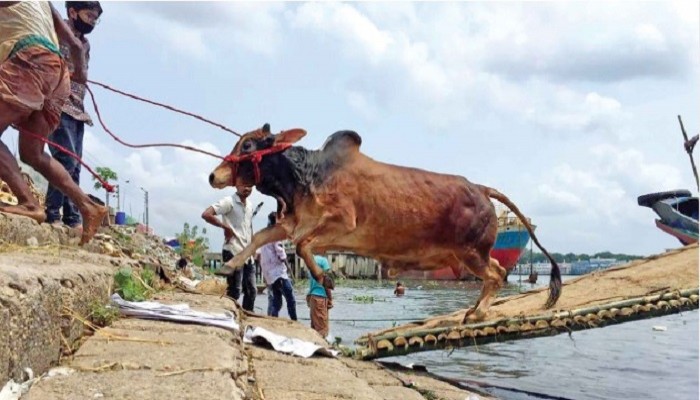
192,243
107,175
571,257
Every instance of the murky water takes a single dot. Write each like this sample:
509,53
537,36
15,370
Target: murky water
627,361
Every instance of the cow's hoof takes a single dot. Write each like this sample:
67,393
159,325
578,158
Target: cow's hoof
328,282
226,270
473,315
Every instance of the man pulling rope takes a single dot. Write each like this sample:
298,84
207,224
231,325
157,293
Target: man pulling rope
34,85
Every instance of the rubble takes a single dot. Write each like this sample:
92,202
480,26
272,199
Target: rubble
7,197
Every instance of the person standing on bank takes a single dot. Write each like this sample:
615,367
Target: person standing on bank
273,262
319,299
83,16
237,222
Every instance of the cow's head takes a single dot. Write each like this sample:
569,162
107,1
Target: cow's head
230,173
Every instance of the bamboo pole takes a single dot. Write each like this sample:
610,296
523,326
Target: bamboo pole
535,318
690,153
478,337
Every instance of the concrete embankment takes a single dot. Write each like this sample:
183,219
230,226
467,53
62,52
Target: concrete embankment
144,359
47,288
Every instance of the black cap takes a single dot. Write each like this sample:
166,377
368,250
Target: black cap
84,5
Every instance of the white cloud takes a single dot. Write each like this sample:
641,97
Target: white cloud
343,21
458,57
605,190
202,29
360,103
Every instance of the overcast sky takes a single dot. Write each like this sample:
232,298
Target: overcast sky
568,108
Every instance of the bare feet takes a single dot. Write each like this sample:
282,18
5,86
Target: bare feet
93,215
34,212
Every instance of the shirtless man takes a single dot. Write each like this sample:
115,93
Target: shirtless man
34,85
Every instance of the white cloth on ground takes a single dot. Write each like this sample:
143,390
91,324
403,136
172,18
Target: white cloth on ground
175,312
285,344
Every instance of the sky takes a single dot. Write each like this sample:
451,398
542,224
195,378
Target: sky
570,109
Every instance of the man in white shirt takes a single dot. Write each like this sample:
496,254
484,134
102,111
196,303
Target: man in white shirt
273,262
237,222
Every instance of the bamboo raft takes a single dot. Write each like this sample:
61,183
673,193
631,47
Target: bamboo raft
652,287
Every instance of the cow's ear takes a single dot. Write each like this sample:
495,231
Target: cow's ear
290,136
266,128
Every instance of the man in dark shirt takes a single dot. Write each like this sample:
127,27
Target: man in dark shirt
82,18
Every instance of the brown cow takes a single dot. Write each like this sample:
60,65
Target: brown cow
337,198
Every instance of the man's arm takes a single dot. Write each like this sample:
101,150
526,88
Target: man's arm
209,215
76,46
329,295
326,267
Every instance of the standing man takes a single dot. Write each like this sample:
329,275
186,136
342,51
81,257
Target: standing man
237,222
82,18
273,262
319,300
34,85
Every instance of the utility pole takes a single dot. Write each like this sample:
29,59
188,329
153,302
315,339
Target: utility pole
118,198
145,213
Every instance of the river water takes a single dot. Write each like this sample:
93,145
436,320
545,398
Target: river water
626,361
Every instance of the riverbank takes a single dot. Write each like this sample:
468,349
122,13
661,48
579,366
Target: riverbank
48,288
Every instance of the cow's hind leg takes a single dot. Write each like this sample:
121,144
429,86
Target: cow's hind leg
492,274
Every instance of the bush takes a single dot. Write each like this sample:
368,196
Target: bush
103,315
131,288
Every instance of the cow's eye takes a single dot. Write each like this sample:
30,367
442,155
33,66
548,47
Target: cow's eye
247,146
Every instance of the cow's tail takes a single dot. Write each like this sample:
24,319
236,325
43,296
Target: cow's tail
555,274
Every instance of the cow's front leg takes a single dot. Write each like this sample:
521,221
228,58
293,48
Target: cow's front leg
304,251
265,236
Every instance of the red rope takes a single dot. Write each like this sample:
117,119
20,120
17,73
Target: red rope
135,97
255,157
105,184
141,146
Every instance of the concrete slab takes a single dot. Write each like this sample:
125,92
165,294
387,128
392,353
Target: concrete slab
158,350
317,376
137,385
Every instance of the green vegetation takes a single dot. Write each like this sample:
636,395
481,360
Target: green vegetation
193,245
571,257
133,287
102,315
107,175
363,299
120,236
